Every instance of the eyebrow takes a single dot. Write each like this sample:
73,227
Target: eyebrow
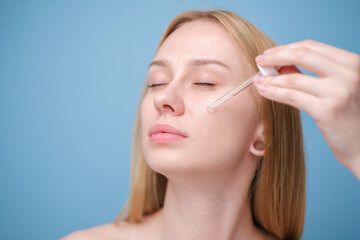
192,62
206,61
160,63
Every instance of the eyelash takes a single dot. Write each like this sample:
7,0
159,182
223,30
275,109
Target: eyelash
156,85
205,84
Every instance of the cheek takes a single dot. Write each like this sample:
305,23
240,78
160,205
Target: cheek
146,120
228,132
148,116
147,111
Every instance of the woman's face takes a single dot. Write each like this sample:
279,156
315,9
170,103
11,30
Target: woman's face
196,65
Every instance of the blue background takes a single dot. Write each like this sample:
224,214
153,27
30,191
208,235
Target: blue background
70,79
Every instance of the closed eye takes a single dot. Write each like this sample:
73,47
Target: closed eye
153,85
206,84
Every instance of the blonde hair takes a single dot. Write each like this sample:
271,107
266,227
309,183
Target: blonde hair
278,188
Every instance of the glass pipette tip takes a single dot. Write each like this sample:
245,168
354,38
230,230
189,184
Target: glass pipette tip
232,93
265,71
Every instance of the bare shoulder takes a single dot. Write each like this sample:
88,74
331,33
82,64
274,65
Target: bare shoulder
118,230
110,231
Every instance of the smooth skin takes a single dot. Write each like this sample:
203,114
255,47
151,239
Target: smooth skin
210,172
209,175
332,97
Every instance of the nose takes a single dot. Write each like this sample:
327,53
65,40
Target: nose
169,101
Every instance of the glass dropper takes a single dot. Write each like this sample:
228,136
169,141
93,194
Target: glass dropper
263,71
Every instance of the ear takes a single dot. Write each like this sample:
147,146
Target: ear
257,146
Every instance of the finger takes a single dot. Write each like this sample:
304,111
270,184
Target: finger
303,57
300,100
297,81
336,54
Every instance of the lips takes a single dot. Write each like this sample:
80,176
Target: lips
165,133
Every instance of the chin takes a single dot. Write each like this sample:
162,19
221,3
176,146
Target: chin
168,165
175,166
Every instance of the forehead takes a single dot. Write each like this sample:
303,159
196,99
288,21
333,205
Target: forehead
200,38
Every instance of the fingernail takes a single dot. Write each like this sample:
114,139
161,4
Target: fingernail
259,58
270,50
259,79
261,88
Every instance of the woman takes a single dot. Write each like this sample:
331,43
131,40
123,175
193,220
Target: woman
237,173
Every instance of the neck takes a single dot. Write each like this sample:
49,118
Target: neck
216,207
